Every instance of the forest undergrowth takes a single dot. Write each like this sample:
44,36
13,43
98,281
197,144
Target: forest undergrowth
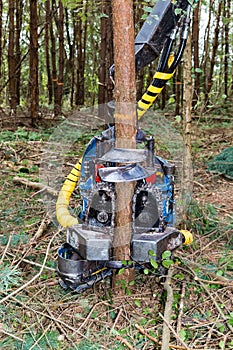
36,313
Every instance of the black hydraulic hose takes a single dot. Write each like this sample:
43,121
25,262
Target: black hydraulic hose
166,52
162,75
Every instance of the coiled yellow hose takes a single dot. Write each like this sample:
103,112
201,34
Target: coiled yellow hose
64,217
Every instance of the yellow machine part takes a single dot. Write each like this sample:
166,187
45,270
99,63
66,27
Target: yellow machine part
188,237
64,217
152,92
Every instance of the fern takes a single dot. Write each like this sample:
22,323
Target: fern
9,277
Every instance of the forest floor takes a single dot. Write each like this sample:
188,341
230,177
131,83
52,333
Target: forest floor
36,313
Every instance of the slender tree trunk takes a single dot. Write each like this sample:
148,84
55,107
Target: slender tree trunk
1,48
19,10
33,79
1,52
48,20
69,67
73,62
54,61
106,53
125,126
195,43
11,57
105,91
61,58
81,40
227,7
178,87
213,56
103,51
187,173
205,56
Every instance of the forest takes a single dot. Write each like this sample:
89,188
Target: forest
56,94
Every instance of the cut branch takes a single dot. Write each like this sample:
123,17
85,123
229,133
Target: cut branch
35,185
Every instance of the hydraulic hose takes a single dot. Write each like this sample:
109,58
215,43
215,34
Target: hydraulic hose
64,217
161,77
149,97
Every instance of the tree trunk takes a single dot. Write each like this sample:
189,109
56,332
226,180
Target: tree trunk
11,57
61,58
1,52
213,56
48,19
187,173
69,67
205,56
1,49
226,39
178,89
54,62
33,79
195,43
125,125
106,54
81,39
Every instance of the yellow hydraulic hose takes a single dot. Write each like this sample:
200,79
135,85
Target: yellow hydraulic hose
152,93
63,215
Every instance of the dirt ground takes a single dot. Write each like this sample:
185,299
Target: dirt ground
36,313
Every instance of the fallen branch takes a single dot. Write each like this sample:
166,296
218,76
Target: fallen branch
221,280
228,283
33,263
148,336
168,311
181,309
125,342
174,333
42,228
9,334
35,185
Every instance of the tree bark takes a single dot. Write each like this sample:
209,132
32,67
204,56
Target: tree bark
60,24
125,125
47,55
226,39
106,54
178,89
19,10
33,79
54,61
195,43
81,39
205,56
11,57
213,56
1,12
187,173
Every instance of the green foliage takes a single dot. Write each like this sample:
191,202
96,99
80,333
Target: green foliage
49,340
88,345
16,239
201,219
225,262
222,163
22,134
166,262
9,277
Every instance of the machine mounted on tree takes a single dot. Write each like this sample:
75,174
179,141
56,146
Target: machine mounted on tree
87,257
